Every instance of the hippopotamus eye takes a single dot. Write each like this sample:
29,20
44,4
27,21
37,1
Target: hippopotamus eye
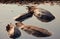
22,28
38,14
28,27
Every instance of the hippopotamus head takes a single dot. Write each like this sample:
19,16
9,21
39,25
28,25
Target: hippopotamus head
13,31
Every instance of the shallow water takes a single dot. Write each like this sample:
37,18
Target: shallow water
8,12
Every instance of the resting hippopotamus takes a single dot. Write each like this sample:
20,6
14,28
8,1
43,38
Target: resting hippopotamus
41,14
33,30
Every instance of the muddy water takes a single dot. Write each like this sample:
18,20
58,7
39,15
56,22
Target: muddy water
8,12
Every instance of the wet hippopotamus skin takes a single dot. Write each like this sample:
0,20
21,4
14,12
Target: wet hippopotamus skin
33,30
40,13
43,15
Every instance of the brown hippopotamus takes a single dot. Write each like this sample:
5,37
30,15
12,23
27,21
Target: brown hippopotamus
41,14
33,30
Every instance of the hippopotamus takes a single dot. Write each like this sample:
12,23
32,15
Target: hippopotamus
33,30
40,13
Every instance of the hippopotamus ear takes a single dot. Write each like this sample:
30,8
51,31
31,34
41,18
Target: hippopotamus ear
8,27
